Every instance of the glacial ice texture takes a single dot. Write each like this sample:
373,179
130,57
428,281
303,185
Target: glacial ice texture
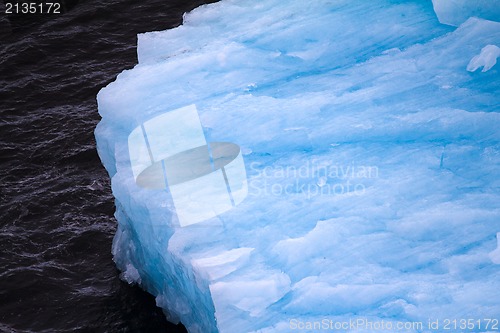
455,12
371,150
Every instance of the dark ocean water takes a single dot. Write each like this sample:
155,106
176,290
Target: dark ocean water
56,207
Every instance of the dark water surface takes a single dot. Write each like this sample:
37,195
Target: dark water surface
56,207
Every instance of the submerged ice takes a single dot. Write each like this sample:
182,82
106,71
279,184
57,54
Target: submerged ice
370,157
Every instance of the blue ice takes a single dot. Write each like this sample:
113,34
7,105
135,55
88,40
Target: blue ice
368,133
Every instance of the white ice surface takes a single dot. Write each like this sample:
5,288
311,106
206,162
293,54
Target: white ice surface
486,59
455,12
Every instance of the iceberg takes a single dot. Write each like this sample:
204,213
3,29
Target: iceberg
299,166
